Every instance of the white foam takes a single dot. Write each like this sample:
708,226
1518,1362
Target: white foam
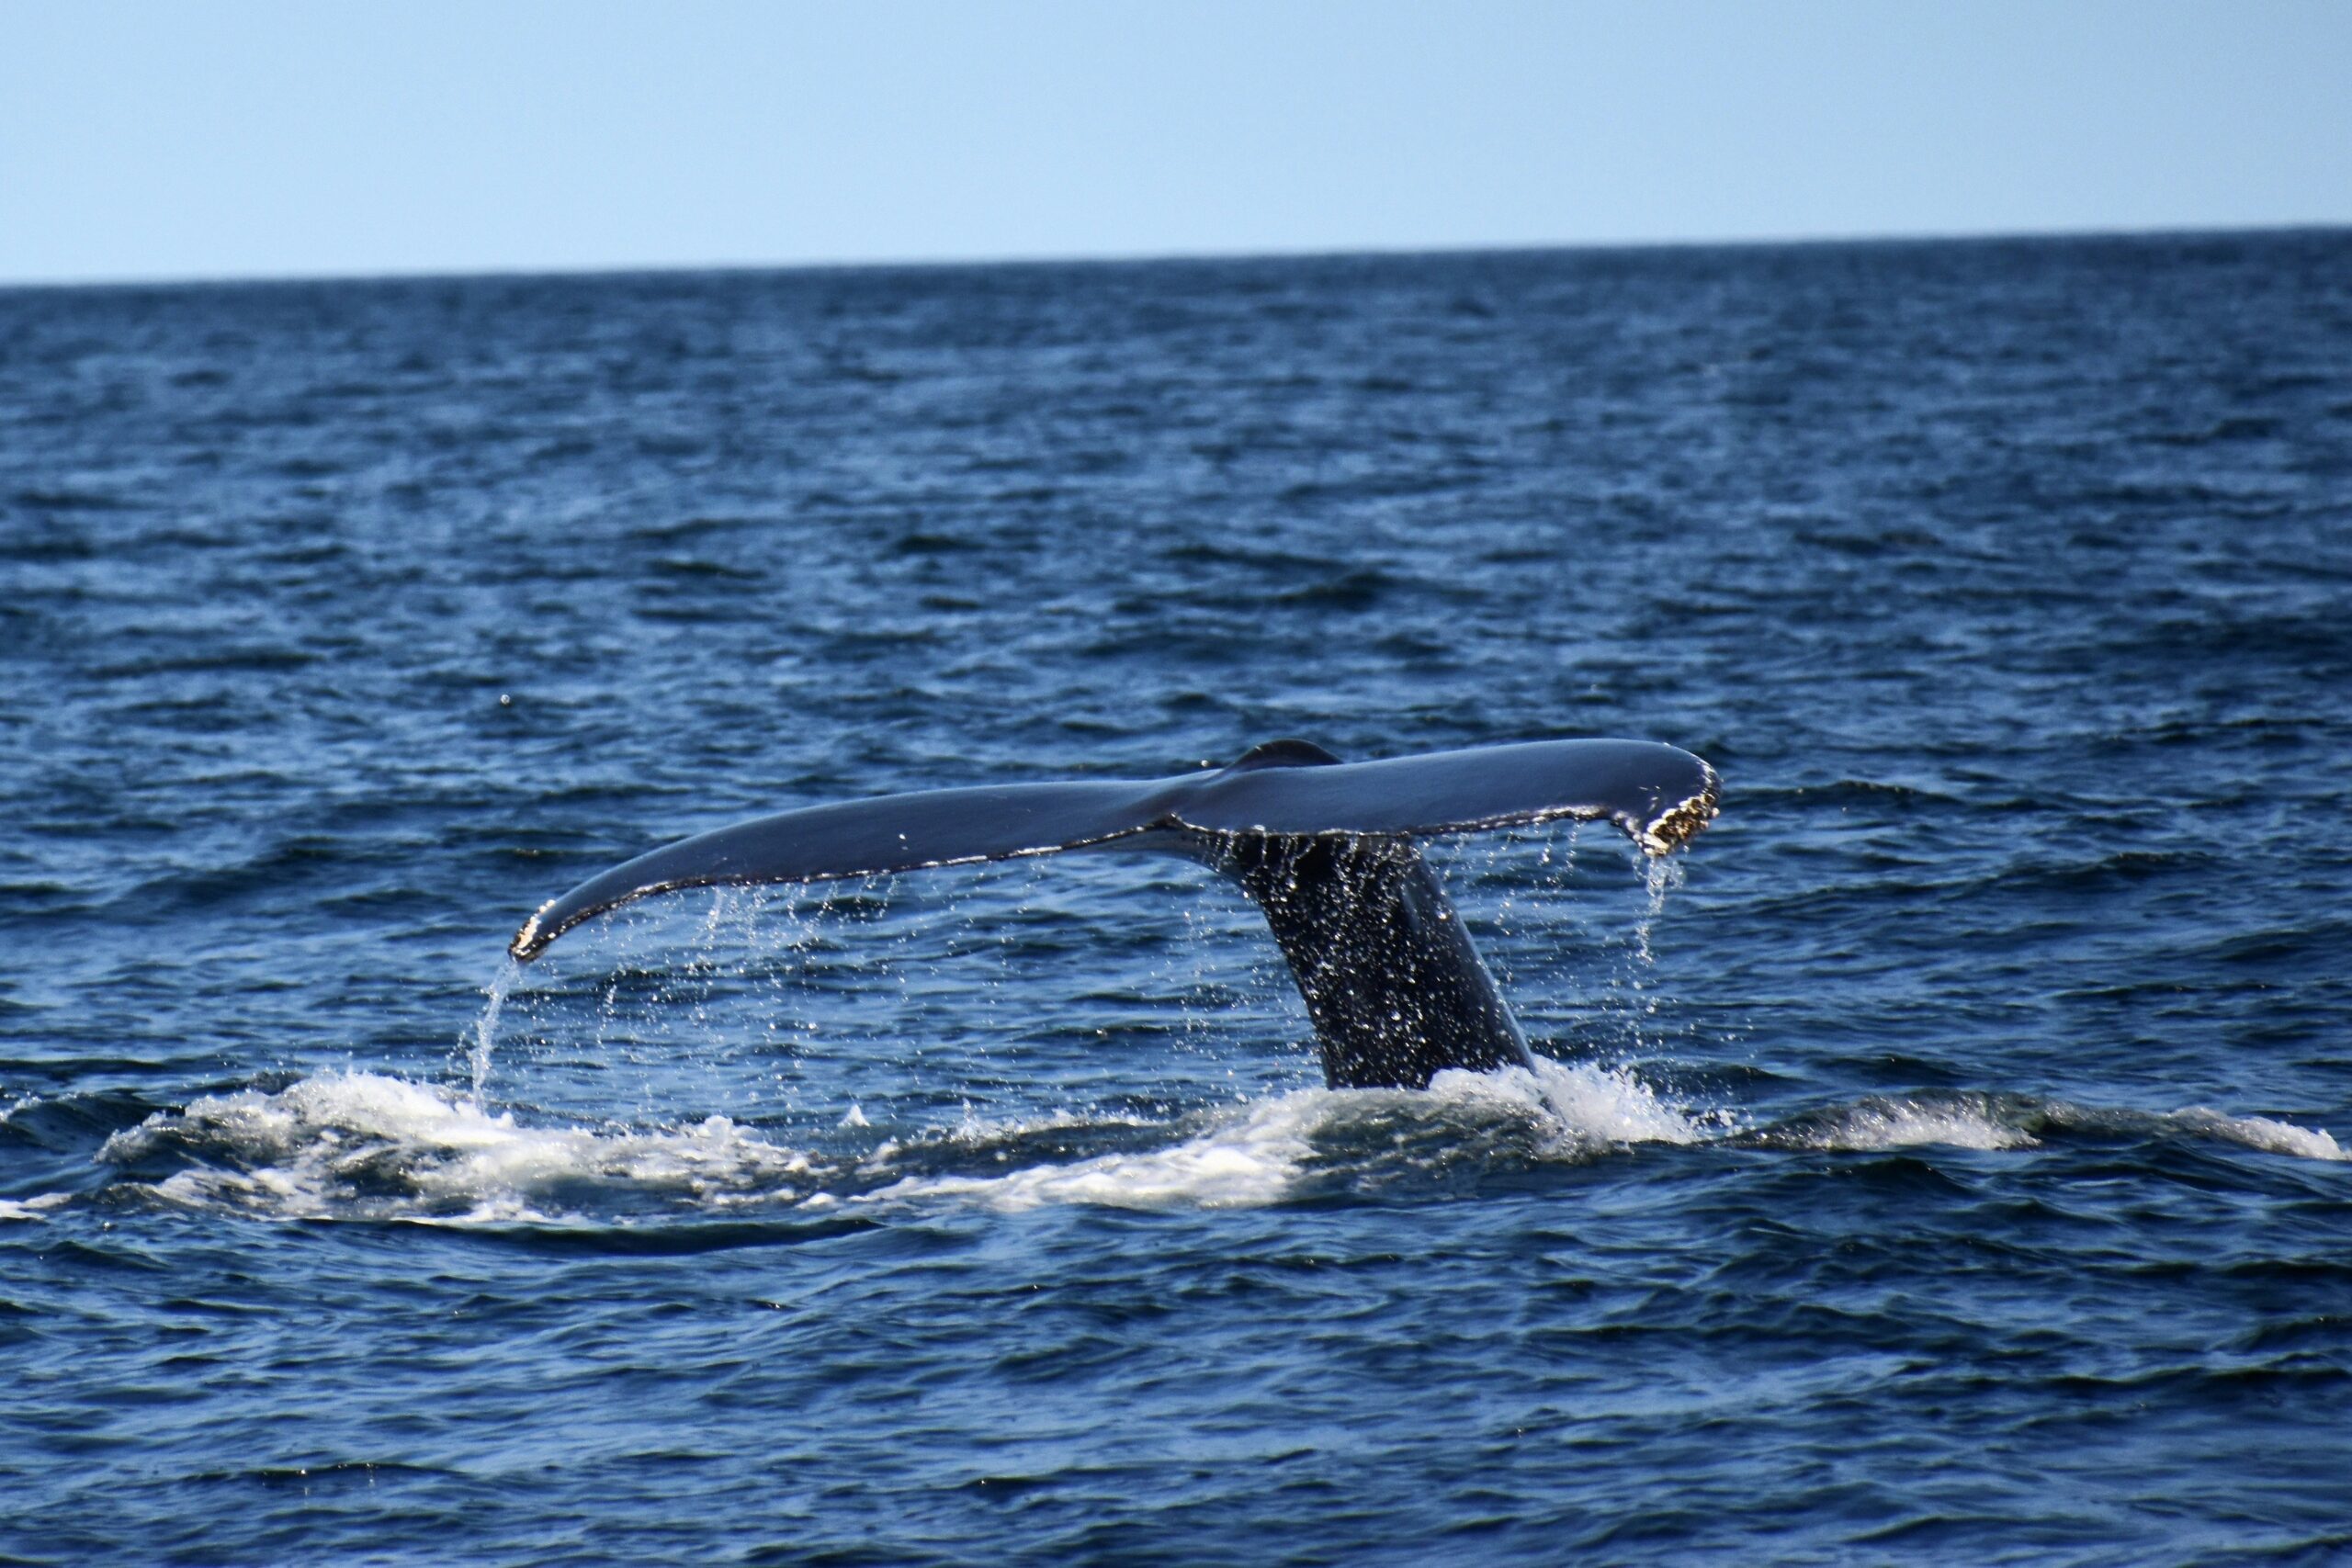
1909,1124
1245,1161
2263,1133
32,1208
319,1145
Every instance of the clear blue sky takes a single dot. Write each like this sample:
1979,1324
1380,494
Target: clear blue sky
233,139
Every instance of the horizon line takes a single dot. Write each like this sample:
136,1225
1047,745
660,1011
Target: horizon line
434,274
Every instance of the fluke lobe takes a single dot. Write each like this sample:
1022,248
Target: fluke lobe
1325,849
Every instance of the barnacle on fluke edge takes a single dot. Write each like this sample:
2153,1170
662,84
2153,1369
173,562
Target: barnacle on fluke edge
1679,823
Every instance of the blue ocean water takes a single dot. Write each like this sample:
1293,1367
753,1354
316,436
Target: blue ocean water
1946,1159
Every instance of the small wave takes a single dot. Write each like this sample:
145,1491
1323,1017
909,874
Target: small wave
2240,428
2263,1133
34,1208
63,499
1357,590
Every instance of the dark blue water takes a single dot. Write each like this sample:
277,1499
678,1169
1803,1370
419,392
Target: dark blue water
1937,1163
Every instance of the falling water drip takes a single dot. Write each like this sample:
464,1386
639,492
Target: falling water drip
1663,875
486,1026
1660,876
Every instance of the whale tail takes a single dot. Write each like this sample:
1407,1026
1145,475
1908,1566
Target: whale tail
1326,848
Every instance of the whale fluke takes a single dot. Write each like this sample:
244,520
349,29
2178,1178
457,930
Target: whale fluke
1325,848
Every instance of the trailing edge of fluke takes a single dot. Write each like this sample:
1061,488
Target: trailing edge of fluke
1326,848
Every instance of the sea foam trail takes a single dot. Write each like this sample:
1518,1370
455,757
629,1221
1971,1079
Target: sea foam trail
362,1146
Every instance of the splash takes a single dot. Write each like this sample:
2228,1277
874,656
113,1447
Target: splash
365,1145
1271,1151
361,1144
1585,1107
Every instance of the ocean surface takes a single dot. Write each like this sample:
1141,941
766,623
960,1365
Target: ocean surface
1945,1159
